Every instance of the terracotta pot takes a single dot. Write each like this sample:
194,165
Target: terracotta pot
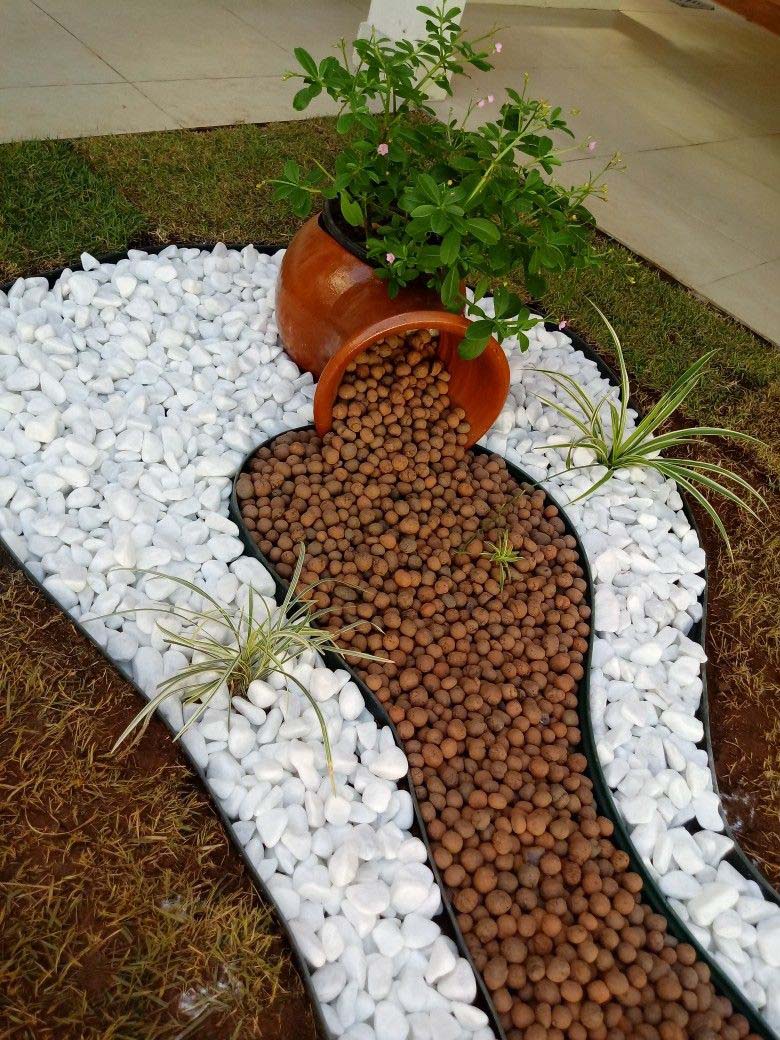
330,306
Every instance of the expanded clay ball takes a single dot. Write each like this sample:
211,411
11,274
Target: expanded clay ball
400,523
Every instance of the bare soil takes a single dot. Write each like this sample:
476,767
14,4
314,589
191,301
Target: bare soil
126,912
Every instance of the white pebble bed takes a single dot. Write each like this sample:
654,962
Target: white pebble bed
130,394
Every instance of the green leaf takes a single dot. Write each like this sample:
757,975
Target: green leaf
506,303
476,339
450,247
350,210
481,288
328,66
305,97
301,203
480,328
292,171
535,284
429,187
440,222
485,230
423,211
450,290
463,163
307,63
543,145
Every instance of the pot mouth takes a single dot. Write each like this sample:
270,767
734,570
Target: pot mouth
332,222
482,400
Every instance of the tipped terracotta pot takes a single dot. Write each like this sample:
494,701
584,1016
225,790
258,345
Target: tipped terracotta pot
330,306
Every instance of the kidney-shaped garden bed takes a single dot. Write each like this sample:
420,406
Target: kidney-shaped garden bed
133,391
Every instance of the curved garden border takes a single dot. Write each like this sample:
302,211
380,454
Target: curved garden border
698,633
200,773
377,709
736,857
445,919
603,793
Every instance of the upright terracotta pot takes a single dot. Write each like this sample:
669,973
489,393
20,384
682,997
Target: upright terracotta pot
330,306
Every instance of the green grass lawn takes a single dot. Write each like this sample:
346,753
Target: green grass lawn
101,194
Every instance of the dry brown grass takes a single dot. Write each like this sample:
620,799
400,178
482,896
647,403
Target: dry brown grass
744,648
125,913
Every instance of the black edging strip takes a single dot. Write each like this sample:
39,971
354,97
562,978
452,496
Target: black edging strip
736,857
446,918
698,633
323,1029
602,792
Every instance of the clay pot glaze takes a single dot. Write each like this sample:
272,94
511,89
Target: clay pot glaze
330,306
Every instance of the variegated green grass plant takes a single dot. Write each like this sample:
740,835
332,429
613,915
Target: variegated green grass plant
503,555
604,430
230,649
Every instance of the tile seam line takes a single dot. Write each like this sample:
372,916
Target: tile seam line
275,77
108,64
676,210
254,29
627,153
662,266
772,338
691,144
700,144
747,247
86,46
210,79
48,86
180,124
703,286
281,46
240,18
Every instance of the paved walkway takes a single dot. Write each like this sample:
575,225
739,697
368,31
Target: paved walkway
691,98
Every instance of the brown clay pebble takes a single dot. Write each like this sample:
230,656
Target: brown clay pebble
482,664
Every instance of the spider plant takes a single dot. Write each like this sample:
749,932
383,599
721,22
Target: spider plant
232,648
503,555
615,446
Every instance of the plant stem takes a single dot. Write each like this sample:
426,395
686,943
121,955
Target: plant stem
500,155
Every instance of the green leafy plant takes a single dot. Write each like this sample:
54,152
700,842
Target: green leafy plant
436,200
503,554
230,649
604,430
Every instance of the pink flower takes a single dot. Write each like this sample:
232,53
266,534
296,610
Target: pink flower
382,149
481,103
498,47
591,146
562,324
491,99
390,257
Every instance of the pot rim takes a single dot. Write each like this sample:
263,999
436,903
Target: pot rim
406,321
331,226
329,222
